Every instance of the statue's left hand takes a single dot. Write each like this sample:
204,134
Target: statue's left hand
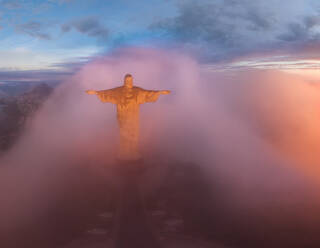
165,92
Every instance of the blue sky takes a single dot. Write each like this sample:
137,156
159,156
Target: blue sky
38,34
59,35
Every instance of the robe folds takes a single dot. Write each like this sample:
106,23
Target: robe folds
128,101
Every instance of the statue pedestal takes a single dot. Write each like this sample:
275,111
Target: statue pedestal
132,229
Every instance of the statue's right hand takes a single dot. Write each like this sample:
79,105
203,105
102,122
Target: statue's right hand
165,92
91,92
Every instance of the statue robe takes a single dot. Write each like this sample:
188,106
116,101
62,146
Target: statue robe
128,101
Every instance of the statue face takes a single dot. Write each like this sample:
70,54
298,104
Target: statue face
128,82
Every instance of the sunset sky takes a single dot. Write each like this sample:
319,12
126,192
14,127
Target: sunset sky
47,40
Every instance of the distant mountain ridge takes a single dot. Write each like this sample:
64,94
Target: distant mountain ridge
3,94
15,88
15,110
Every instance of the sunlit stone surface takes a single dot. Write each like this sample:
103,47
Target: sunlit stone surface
128,98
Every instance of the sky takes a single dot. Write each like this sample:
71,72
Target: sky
49,39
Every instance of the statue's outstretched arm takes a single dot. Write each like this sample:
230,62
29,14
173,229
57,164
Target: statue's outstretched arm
151,95
105,95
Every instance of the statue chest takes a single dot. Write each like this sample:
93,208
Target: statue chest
128,99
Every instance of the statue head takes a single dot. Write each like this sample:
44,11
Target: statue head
128,81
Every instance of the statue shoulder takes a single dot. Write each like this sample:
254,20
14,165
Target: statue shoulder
138,89
112,89
118,88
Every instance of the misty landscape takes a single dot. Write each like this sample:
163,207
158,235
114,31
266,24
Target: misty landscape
223,170
159,124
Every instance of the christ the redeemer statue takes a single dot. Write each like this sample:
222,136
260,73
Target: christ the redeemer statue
128,98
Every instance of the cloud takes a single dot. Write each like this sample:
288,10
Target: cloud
89,26
61,1
28,58
34,29
65,27
238,137
24,65
34,75
198,22
216,25
302,31
11,5
56,72
296,32
258,20
73,65
226,29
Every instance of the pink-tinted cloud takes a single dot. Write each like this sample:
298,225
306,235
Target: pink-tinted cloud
253,132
